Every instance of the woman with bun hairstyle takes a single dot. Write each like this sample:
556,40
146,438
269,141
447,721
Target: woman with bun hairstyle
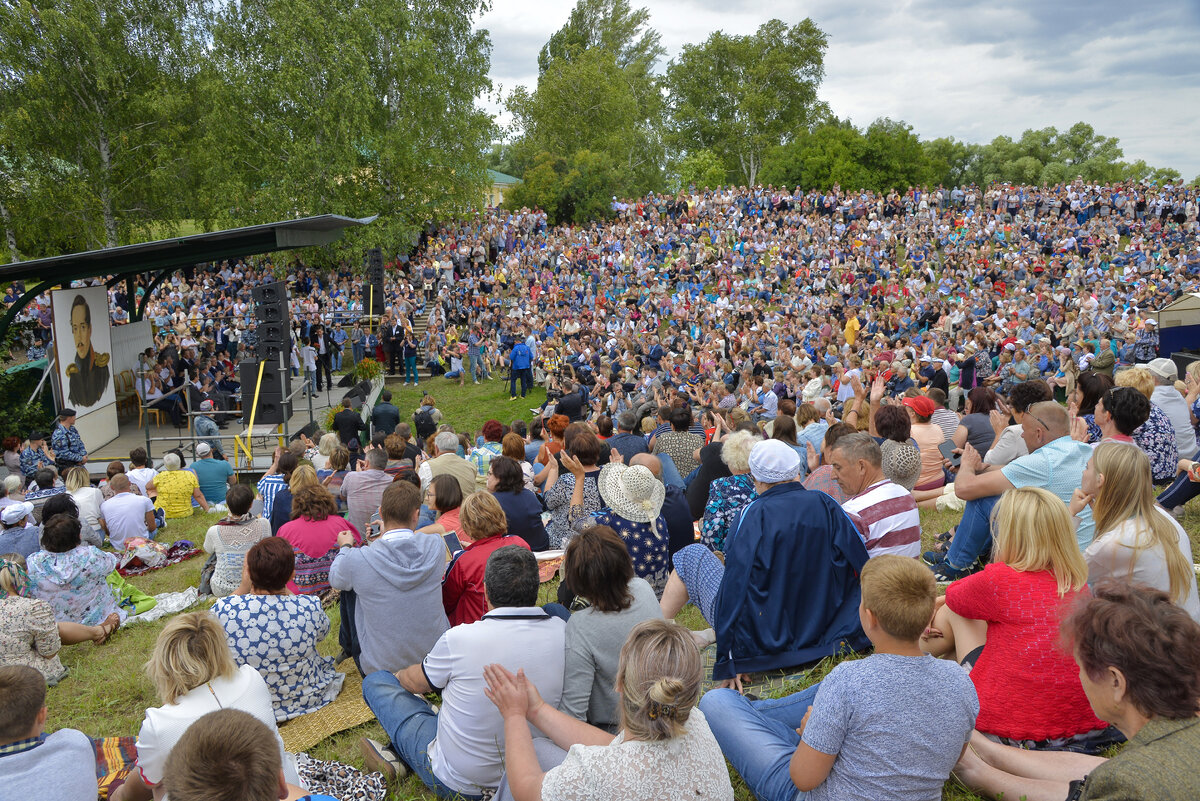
665,748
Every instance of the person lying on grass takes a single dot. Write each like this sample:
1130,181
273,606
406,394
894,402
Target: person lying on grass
889,726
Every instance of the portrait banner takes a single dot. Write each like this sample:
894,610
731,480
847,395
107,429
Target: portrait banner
83,348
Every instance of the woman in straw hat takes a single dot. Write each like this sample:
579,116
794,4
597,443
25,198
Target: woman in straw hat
633,500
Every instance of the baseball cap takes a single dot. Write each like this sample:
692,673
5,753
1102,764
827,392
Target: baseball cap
921,404
1163,368
16,512
203,449
207,406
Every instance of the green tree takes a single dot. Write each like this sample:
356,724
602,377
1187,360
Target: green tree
702,169
610,25
596,95
738,96
954,163
97,98
575,189
355,108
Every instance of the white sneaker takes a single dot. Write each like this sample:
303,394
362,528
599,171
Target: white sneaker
382,759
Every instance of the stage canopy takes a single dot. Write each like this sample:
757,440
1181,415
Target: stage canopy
159,260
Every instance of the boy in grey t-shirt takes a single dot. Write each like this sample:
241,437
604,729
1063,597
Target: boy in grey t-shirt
61,765
891,725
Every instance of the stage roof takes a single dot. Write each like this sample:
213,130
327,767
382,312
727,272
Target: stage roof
164,256
185,250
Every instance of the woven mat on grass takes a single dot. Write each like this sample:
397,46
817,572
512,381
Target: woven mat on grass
344,712
764,685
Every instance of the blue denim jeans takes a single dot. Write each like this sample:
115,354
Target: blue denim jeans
410,724
759,737
1182,490
974,533
358,351
475,366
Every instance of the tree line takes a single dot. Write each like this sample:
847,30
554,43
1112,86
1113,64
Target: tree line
741,110
128,120
122,119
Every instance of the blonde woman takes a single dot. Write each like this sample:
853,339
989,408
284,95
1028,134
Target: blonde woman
665,748
1136,539
193,672
1004,622
87,498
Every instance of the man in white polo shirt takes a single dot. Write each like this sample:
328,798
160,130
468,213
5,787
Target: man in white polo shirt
886,509
126,515
461,749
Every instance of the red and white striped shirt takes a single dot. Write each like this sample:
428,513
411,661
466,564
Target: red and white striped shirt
890,517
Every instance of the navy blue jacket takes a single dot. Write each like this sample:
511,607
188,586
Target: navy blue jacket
790,593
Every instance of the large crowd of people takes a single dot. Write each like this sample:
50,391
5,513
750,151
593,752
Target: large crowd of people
750,394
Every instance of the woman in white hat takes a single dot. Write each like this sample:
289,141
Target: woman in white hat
633,500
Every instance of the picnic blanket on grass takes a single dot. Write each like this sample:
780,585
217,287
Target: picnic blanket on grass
344,712
115,758
175,553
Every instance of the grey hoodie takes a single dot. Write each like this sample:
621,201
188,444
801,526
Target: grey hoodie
398,580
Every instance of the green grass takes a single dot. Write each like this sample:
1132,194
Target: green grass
107,692
468,407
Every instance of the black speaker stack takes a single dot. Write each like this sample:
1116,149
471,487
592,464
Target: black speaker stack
374,288
274,348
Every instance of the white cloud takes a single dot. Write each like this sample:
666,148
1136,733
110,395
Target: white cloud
972,70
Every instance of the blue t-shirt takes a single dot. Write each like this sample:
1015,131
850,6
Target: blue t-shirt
1057,467
213,477
896,723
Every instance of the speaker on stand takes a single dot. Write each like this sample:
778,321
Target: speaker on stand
274,349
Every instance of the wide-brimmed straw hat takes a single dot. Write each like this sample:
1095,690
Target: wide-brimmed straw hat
632,492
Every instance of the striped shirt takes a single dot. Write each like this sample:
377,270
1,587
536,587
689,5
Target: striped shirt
889,513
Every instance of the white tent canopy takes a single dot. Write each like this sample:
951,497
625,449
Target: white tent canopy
1184,310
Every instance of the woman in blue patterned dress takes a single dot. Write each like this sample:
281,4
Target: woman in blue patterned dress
277,633
633,500
728,496
71,576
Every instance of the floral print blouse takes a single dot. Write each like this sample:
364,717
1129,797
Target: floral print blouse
277,635
726,498
74,584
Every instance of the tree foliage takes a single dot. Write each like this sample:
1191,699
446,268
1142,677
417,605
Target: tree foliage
738,96
609,25
95,117
597,106
357,108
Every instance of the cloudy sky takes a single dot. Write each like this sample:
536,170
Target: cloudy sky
968,69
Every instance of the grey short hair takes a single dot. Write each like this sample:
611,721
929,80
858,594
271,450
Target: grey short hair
12,484
626,421
377,458
822,405
446,442
511,577
328,444
171,461
860,445
735,450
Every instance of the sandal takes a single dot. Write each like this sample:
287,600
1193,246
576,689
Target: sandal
946,536
110,624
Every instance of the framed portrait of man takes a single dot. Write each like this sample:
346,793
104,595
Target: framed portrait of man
83,347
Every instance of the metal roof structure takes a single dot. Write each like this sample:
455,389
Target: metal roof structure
161,258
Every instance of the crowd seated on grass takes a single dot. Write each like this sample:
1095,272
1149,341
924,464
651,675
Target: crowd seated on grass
758,387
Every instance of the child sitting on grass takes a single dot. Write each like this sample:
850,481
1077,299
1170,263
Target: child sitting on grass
890,726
